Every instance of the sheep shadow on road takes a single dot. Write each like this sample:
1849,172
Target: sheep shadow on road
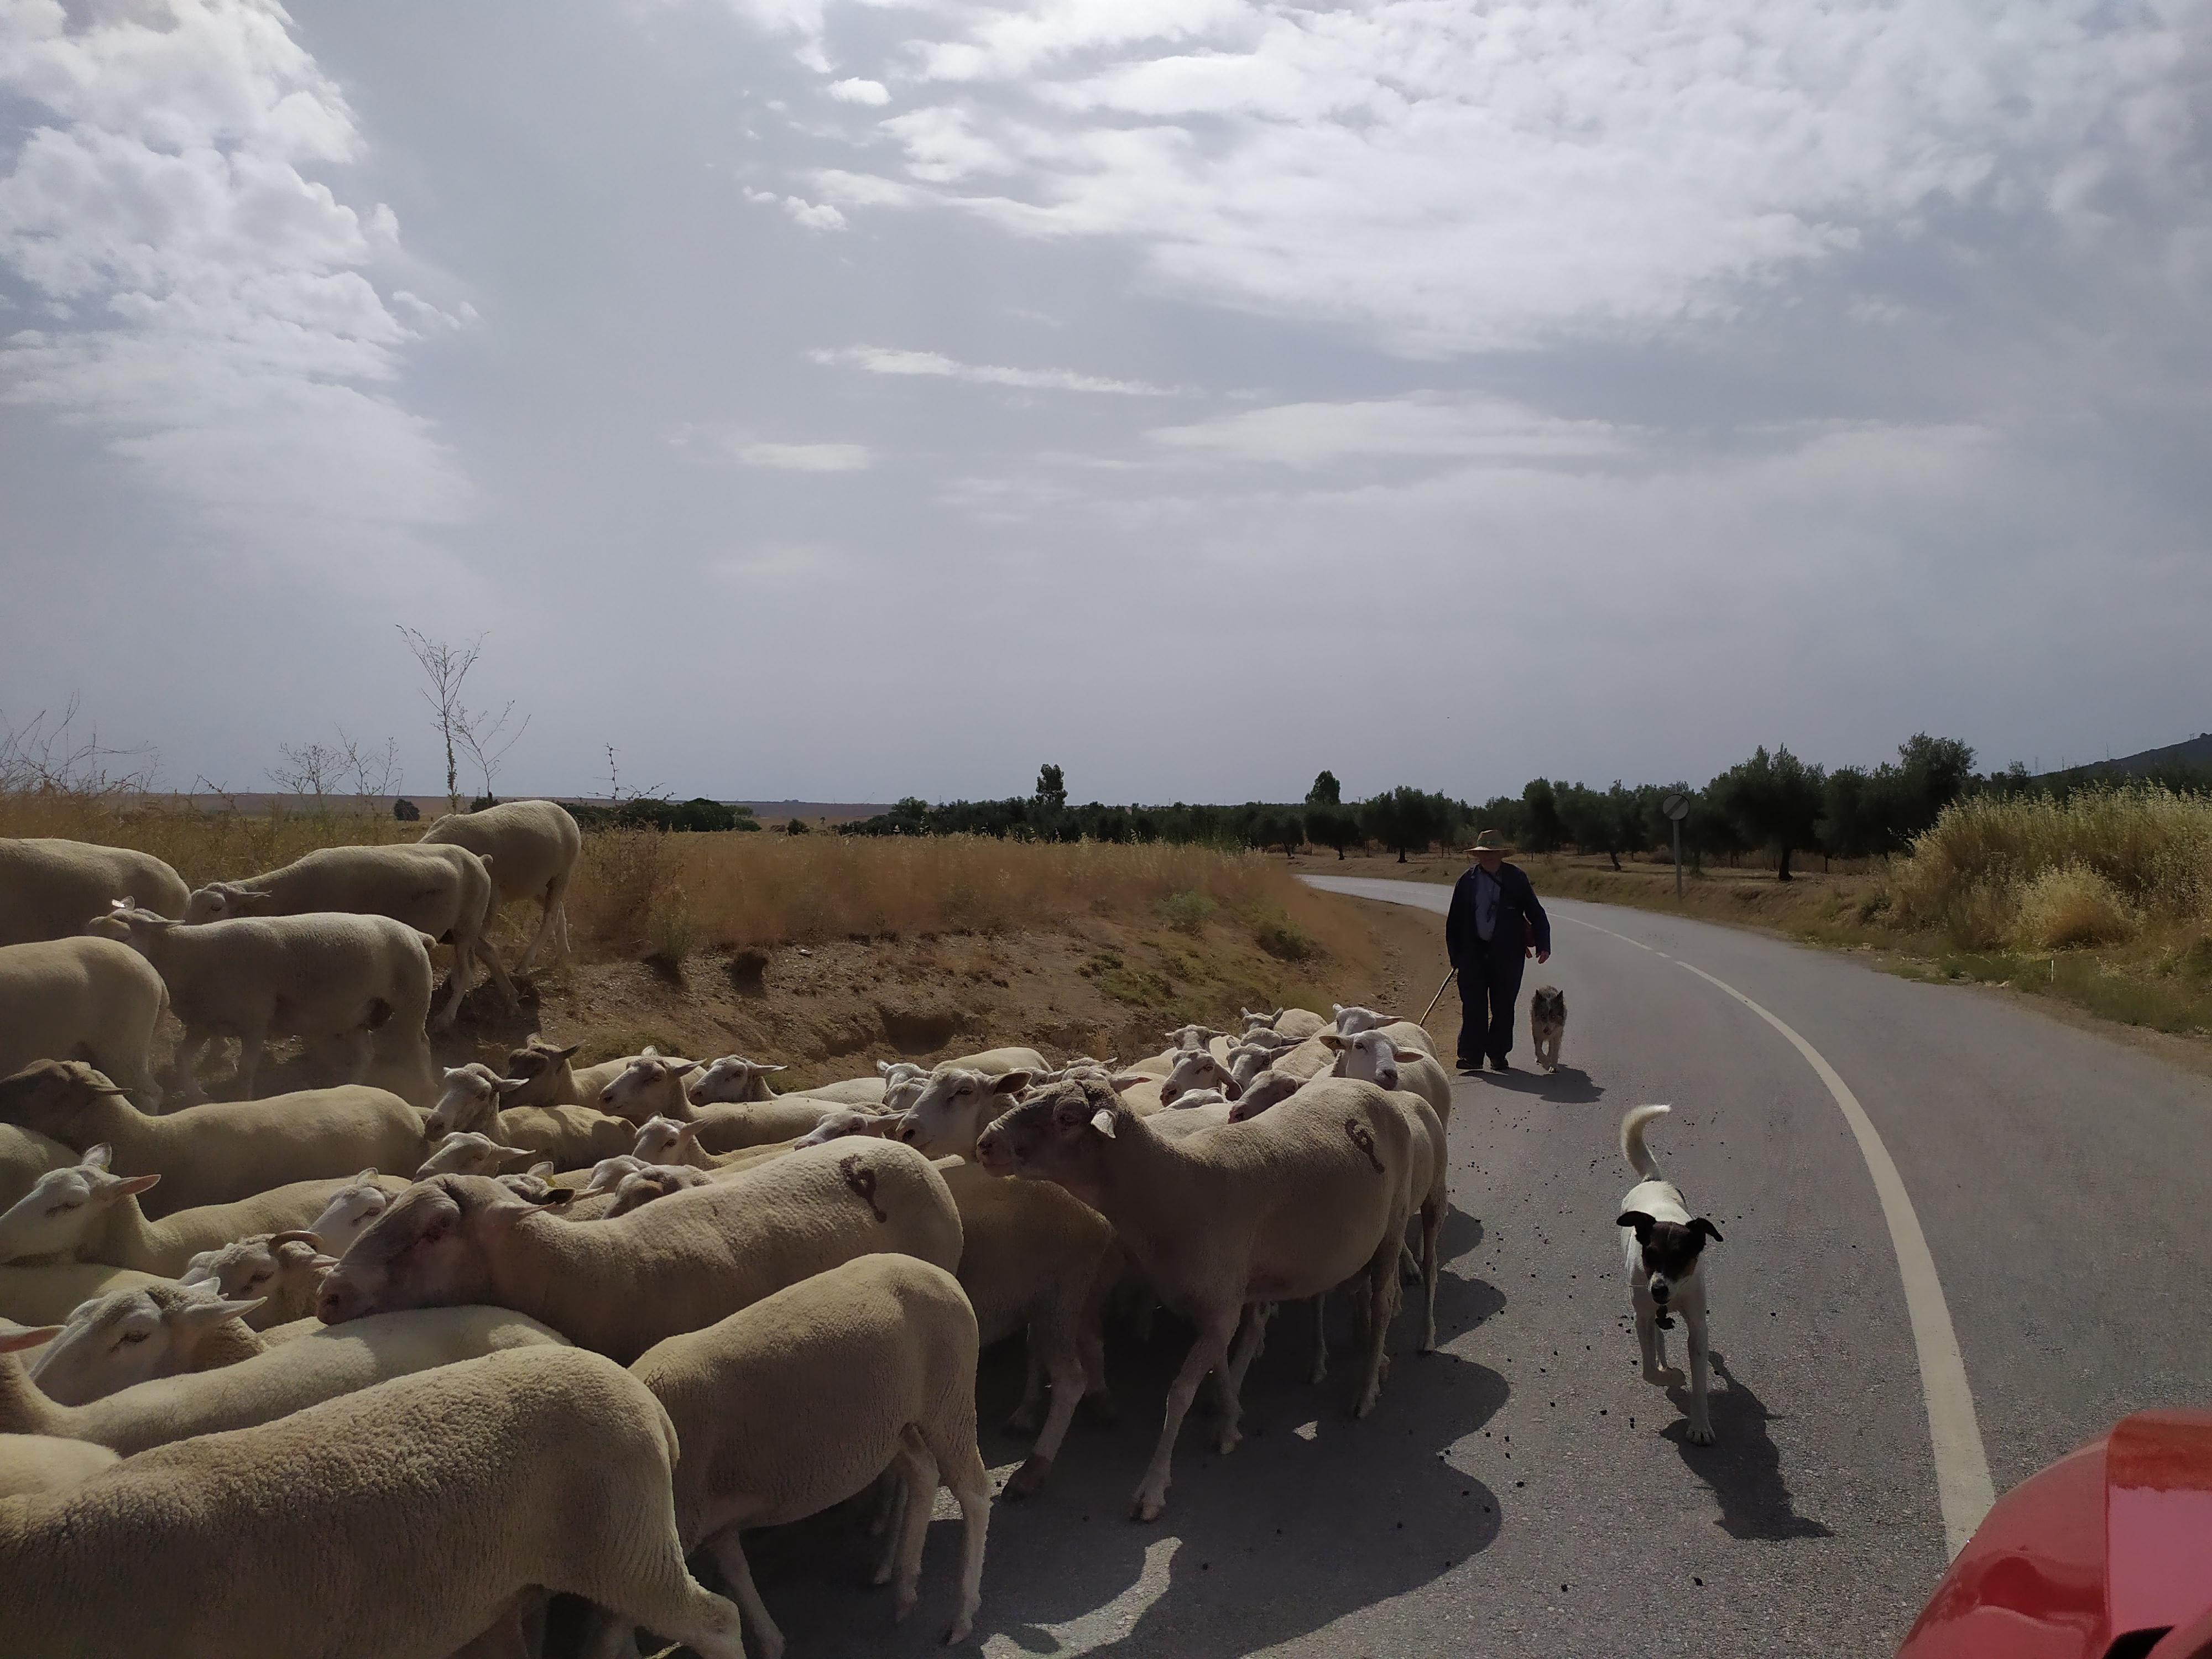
1315,1516
1743,1466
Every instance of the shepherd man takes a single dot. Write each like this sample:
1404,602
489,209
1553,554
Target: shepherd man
1495,925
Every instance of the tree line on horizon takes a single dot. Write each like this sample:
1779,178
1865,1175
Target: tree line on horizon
1773,803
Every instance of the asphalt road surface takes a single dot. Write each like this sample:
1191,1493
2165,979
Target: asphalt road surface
1522,1492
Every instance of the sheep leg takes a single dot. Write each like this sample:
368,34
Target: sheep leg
970,1481
549,904
1067,1372
487,953
1216,1328
358,1046
728,1549
1031,1411
1091,1340
1381,1304
921,1493
1254,1338
190,1052
1321,1340
663,1597
252,1046
888,1493
903,1494
1433,1221
136,1073
1409,1268
456,984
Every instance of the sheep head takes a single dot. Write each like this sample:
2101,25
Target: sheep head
651,1085
350,1209
467,1153
641,1187
1196,1068
953,1107
541,1066
222,900
431,1249
57,1097
845,1121
1063,1134
1367,1055
131,1336
65,1207
471,1099
733,1078
282,1271
1268,1089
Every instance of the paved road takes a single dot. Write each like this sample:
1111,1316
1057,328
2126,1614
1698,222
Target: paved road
1523,1493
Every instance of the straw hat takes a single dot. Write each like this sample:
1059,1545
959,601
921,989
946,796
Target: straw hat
1491,841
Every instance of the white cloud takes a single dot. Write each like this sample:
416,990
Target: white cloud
886,359
815,216
808,457
1309,436
1459,178
859,92
215,317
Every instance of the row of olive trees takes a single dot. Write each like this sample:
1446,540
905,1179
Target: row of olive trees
1774,803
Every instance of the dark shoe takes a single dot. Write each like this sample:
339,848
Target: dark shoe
1497,1063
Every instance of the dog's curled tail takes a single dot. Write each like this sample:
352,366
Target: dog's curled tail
1632,1139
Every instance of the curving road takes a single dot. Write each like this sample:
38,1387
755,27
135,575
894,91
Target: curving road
1523,1493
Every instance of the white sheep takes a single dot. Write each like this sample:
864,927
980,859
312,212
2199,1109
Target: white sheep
45,1463
49,888
1197,1068
641,1187
127,1336
83,999
648,1085
24,1156
1285,1206
1035,1260
359,984
82,1212
734,1078
956,1106
548,1078
442,892
884,1348
549,1469
284,1377
723,1129
622,1283
571,1137
215,1153
466,1152
1299,1024
1373,1057
849,1120
283,1272
46,1296
532,847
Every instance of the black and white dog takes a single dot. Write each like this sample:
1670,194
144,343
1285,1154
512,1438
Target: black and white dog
1665,1249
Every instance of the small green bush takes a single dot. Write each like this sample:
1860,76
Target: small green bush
1187,912
1279,937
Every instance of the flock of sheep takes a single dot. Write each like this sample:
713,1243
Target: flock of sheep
555,1333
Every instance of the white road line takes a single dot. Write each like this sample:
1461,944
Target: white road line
1963,1488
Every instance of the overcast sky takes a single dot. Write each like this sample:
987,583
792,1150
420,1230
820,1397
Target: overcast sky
850,400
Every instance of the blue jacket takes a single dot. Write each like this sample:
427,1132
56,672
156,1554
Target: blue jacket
1517,906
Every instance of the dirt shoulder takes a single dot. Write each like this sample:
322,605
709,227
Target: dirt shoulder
832,1010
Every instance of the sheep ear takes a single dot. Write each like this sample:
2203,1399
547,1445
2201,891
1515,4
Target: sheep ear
552,1199
507,1085
1331,1040
1121,1081
97,1158
774,1068
369,1173
1011,1083
27,1336
1231,1089
1102,1121
133,1185
543,1169
648,1050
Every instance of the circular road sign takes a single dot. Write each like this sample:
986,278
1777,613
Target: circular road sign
1676,806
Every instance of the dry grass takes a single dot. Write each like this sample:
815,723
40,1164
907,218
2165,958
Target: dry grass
640,892
2070,905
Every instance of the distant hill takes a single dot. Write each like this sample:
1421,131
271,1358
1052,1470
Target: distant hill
2194,755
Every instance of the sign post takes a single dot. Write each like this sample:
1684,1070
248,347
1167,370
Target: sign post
1676,806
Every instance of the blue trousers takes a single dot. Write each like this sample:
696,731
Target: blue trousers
1489,985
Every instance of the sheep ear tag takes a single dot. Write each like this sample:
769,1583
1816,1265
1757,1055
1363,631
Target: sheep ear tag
1102,1121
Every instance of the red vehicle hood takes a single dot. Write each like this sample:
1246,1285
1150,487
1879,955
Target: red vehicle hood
2109,1542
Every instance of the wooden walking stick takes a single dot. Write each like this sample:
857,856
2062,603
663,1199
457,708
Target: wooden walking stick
1439,997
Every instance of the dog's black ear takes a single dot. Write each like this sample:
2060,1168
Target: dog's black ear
1702,1225
1638,1219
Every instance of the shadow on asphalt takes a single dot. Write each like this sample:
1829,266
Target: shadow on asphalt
1568,1086
1743,1466
1315,1516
